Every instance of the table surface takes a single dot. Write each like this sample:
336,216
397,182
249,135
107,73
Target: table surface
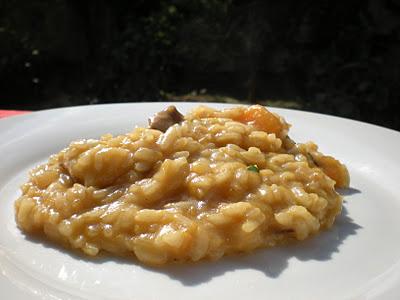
9,113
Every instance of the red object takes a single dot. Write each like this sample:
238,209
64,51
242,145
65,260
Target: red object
9,113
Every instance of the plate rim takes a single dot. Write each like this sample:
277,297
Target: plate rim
34,113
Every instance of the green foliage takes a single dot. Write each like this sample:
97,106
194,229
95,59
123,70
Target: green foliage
339,57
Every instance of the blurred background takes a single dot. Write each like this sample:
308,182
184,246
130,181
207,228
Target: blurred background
333,57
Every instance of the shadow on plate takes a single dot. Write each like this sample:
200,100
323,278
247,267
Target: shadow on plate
271,262
348,191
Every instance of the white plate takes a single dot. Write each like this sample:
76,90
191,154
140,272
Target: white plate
357,259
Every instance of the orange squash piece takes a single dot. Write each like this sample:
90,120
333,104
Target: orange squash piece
335,170
261,118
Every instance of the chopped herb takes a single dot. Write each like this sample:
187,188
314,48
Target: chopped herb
253,168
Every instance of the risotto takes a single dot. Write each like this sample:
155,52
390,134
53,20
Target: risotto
199,186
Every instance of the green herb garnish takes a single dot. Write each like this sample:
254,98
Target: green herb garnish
253,168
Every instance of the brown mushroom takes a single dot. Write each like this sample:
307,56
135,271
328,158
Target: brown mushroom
165,118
